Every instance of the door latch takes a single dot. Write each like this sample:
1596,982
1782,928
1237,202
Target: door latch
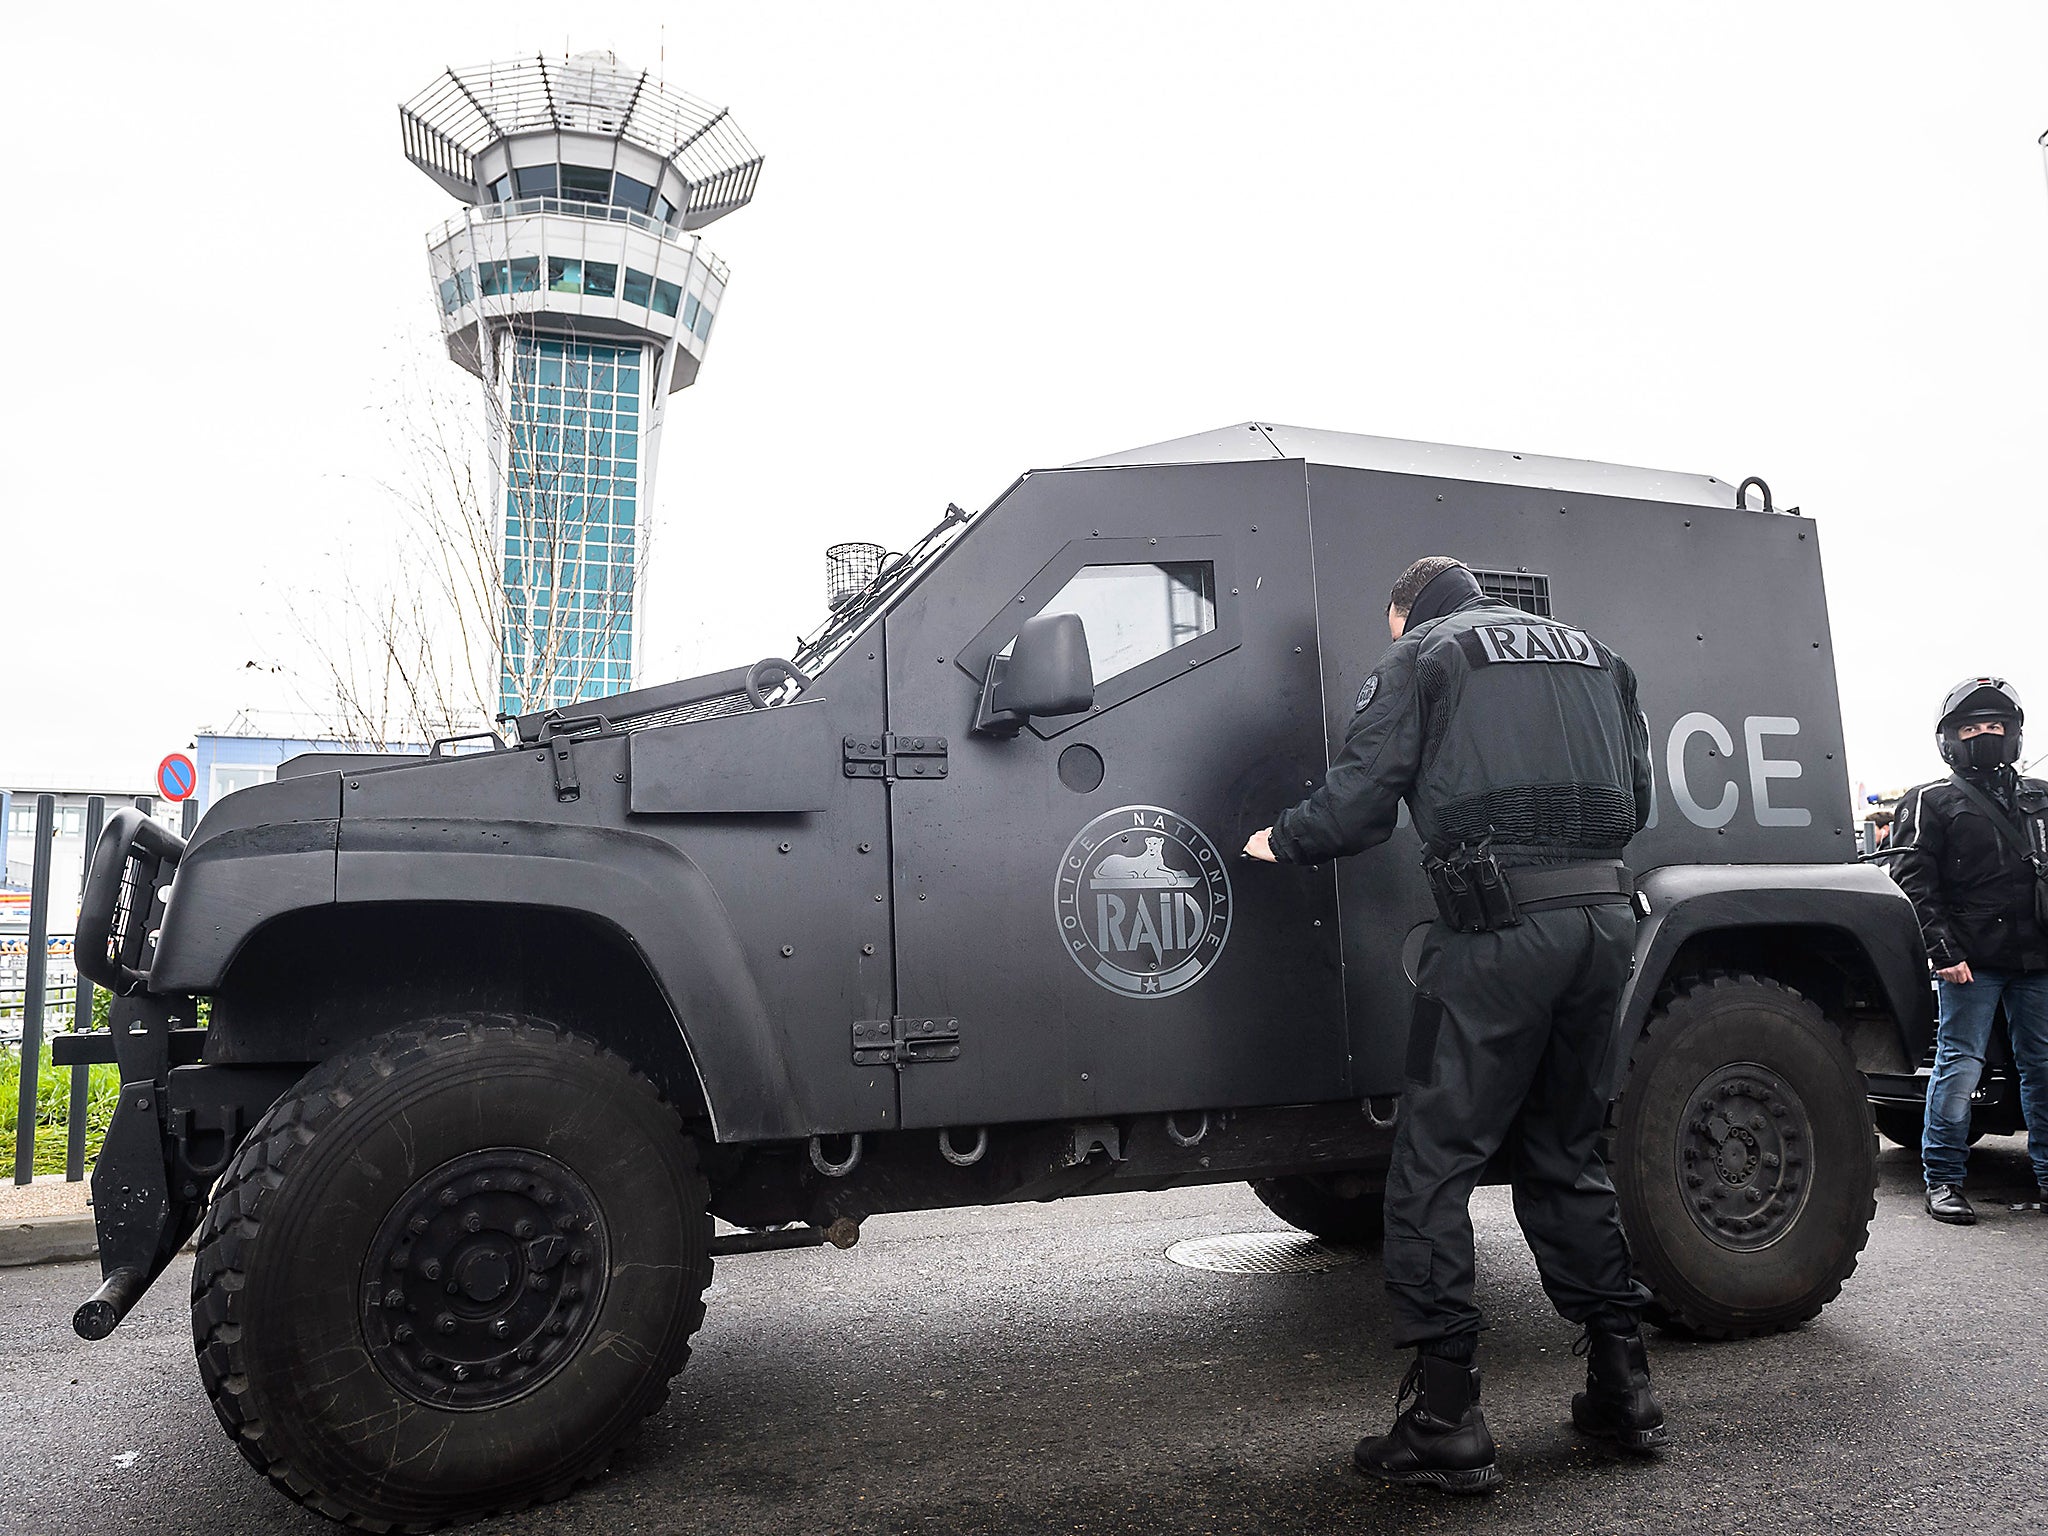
900,1042
556,740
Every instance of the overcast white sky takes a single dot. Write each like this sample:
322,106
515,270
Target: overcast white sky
1803,241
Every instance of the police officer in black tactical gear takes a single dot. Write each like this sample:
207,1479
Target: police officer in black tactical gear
1972,852
1517,743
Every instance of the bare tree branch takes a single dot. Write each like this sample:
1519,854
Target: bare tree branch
510,587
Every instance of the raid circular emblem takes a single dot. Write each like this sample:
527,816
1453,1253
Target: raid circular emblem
1143,901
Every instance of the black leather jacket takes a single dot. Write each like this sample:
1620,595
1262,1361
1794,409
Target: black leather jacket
1488,721
1974,893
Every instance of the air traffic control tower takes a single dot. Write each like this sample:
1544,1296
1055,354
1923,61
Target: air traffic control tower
574,286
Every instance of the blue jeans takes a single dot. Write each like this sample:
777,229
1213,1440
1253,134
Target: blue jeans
1964,1030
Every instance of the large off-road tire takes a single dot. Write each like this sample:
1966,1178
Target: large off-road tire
1333,1206
1745,1158
449,1271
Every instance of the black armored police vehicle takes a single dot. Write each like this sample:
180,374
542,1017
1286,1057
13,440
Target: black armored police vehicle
945,909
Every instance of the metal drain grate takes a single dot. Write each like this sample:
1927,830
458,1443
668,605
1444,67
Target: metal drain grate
1262,1253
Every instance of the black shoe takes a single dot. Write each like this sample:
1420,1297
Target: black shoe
1617,1404
1945,1202
2038,1205
1440,1442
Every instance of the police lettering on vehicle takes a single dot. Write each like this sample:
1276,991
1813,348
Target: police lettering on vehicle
1143,901
1553,643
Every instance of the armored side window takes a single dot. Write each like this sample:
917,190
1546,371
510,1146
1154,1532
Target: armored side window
1136,612
1154,610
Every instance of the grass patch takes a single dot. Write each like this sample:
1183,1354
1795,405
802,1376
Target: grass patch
53,1109
53,1093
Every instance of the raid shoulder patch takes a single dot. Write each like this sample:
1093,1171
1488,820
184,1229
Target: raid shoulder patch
1372,686
1554,644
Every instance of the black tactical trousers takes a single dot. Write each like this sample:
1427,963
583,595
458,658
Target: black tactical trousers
1512,1048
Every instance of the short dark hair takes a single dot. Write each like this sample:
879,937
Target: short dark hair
1409,585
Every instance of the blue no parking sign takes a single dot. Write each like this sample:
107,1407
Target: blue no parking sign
175,776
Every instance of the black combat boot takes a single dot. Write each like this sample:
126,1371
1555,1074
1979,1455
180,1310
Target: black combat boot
1442,1440
1617,1404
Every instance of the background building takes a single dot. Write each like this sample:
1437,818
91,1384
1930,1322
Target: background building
249,749
68,845
573,285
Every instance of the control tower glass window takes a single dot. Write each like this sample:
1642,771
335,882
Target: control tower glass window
589,184
586,183
628,193
571,514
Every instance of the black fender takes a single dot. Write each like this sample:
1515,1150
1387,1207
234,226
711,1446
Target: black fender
1857,901
650,891
258,853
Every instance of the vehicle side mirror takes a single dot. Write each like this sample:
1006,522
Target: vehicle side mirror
1046,673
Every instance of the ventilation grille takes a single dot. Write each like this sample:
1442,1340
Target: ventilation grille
703,709
1528,592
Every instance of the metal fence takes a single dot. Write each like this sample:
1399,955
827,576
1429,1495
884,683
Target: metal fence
60,981
41,990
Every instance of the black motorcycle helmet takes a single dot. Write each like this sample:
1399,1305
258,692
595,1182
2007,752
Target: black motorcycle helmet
1971,700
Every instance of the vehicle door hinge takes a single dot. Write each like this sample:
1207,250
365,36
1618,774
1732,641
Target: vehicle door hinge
893,757
897,1042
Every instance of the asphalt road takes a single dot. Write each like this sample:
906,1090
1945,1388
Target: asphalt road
1047,1369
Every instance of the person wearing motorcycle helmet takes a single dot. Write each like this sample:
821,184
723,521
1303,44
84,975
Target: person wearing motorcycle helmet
1975,893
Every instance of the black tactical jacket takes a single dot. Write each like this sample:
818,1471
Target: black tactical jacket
1974,893
1488,721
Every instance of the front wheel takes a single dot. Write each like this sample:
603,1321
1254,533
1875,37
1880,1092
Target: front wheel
1745,1158
449,1272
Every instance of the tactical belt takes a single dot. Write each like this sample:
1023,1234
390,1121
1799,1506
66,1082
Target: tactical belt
1475,895
1539,887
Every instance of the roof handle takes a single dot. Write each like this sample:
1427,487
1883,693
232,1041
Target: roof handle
1742,494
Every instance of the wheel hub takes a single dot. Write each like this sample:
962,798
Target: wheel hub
484,1279
1744,1145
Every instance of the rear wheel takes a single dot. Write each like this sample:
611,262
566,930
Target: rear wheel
1901,1123
1905,1123
1335,1206
1744,1158
449,1272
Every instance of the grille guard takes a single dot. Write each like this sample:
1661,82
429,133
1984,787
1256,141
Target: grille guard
122,906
